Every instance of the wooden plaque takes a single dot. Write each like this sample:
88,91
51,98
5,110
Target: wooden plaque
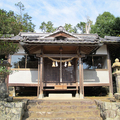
60,86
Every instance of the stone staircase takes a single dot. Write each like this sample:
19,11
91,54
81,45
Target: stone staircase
62,110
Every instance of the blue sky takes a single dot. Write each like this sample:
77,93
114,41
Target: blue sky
63,11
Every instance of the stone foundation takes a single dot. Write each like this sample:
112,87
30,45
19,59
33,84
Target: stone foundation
3,88
11,91
117,96
12,110
109,110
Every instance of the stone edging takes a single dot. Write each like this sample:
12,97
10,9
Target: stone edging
109,110
12,110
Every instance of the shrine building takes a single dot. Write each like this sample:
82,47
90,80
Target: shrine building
61,62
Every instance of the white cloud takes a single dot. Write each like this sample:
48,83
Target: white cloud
63,11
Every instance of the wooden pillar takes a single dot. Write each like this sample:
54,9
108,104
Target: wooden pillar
76,77
41,77
7,78
38,91
81,78
110,74
60,69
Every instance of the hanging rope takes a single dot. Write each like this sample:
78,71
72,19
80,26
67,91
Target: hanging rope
66,60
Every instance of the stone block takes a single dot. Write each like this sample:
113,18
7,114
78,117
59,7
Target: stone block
106,106
109,114
117,96
118,112
109,119
114,106
10,99
117,118
16,110
19,105
16,117
9,105
60,96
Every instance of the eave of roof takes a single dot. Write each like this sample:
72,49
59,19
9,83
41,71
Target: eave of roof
110,39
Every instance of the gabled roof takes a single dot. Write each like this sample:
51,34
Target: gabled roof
60,36
59,31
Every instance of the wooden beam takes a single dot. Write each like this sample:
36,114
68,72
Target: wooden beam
67,44
58,55
110,74
63,55
96,84
59,89
53,84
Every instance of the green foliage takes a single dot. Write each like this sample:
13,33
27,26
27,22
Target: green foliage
81,26
7,48
11,23
3,69
104,25
28,26
47,27
116,27
24,20
68,27
8,23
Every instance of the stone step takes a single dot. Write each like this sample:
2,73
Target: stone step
58,96
62,102
61,118
60,107
62,110
66,114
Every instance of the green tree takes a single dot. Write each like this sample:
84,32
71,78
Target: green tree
75,29
8,23
21,9
116,26
47,27
85,27
68,27
24,20
81,26
27,24
7,48
104,25
43,26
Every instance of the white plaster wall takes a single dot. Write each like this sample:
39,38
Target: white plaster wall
24,76
21,49
91,77
102,50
